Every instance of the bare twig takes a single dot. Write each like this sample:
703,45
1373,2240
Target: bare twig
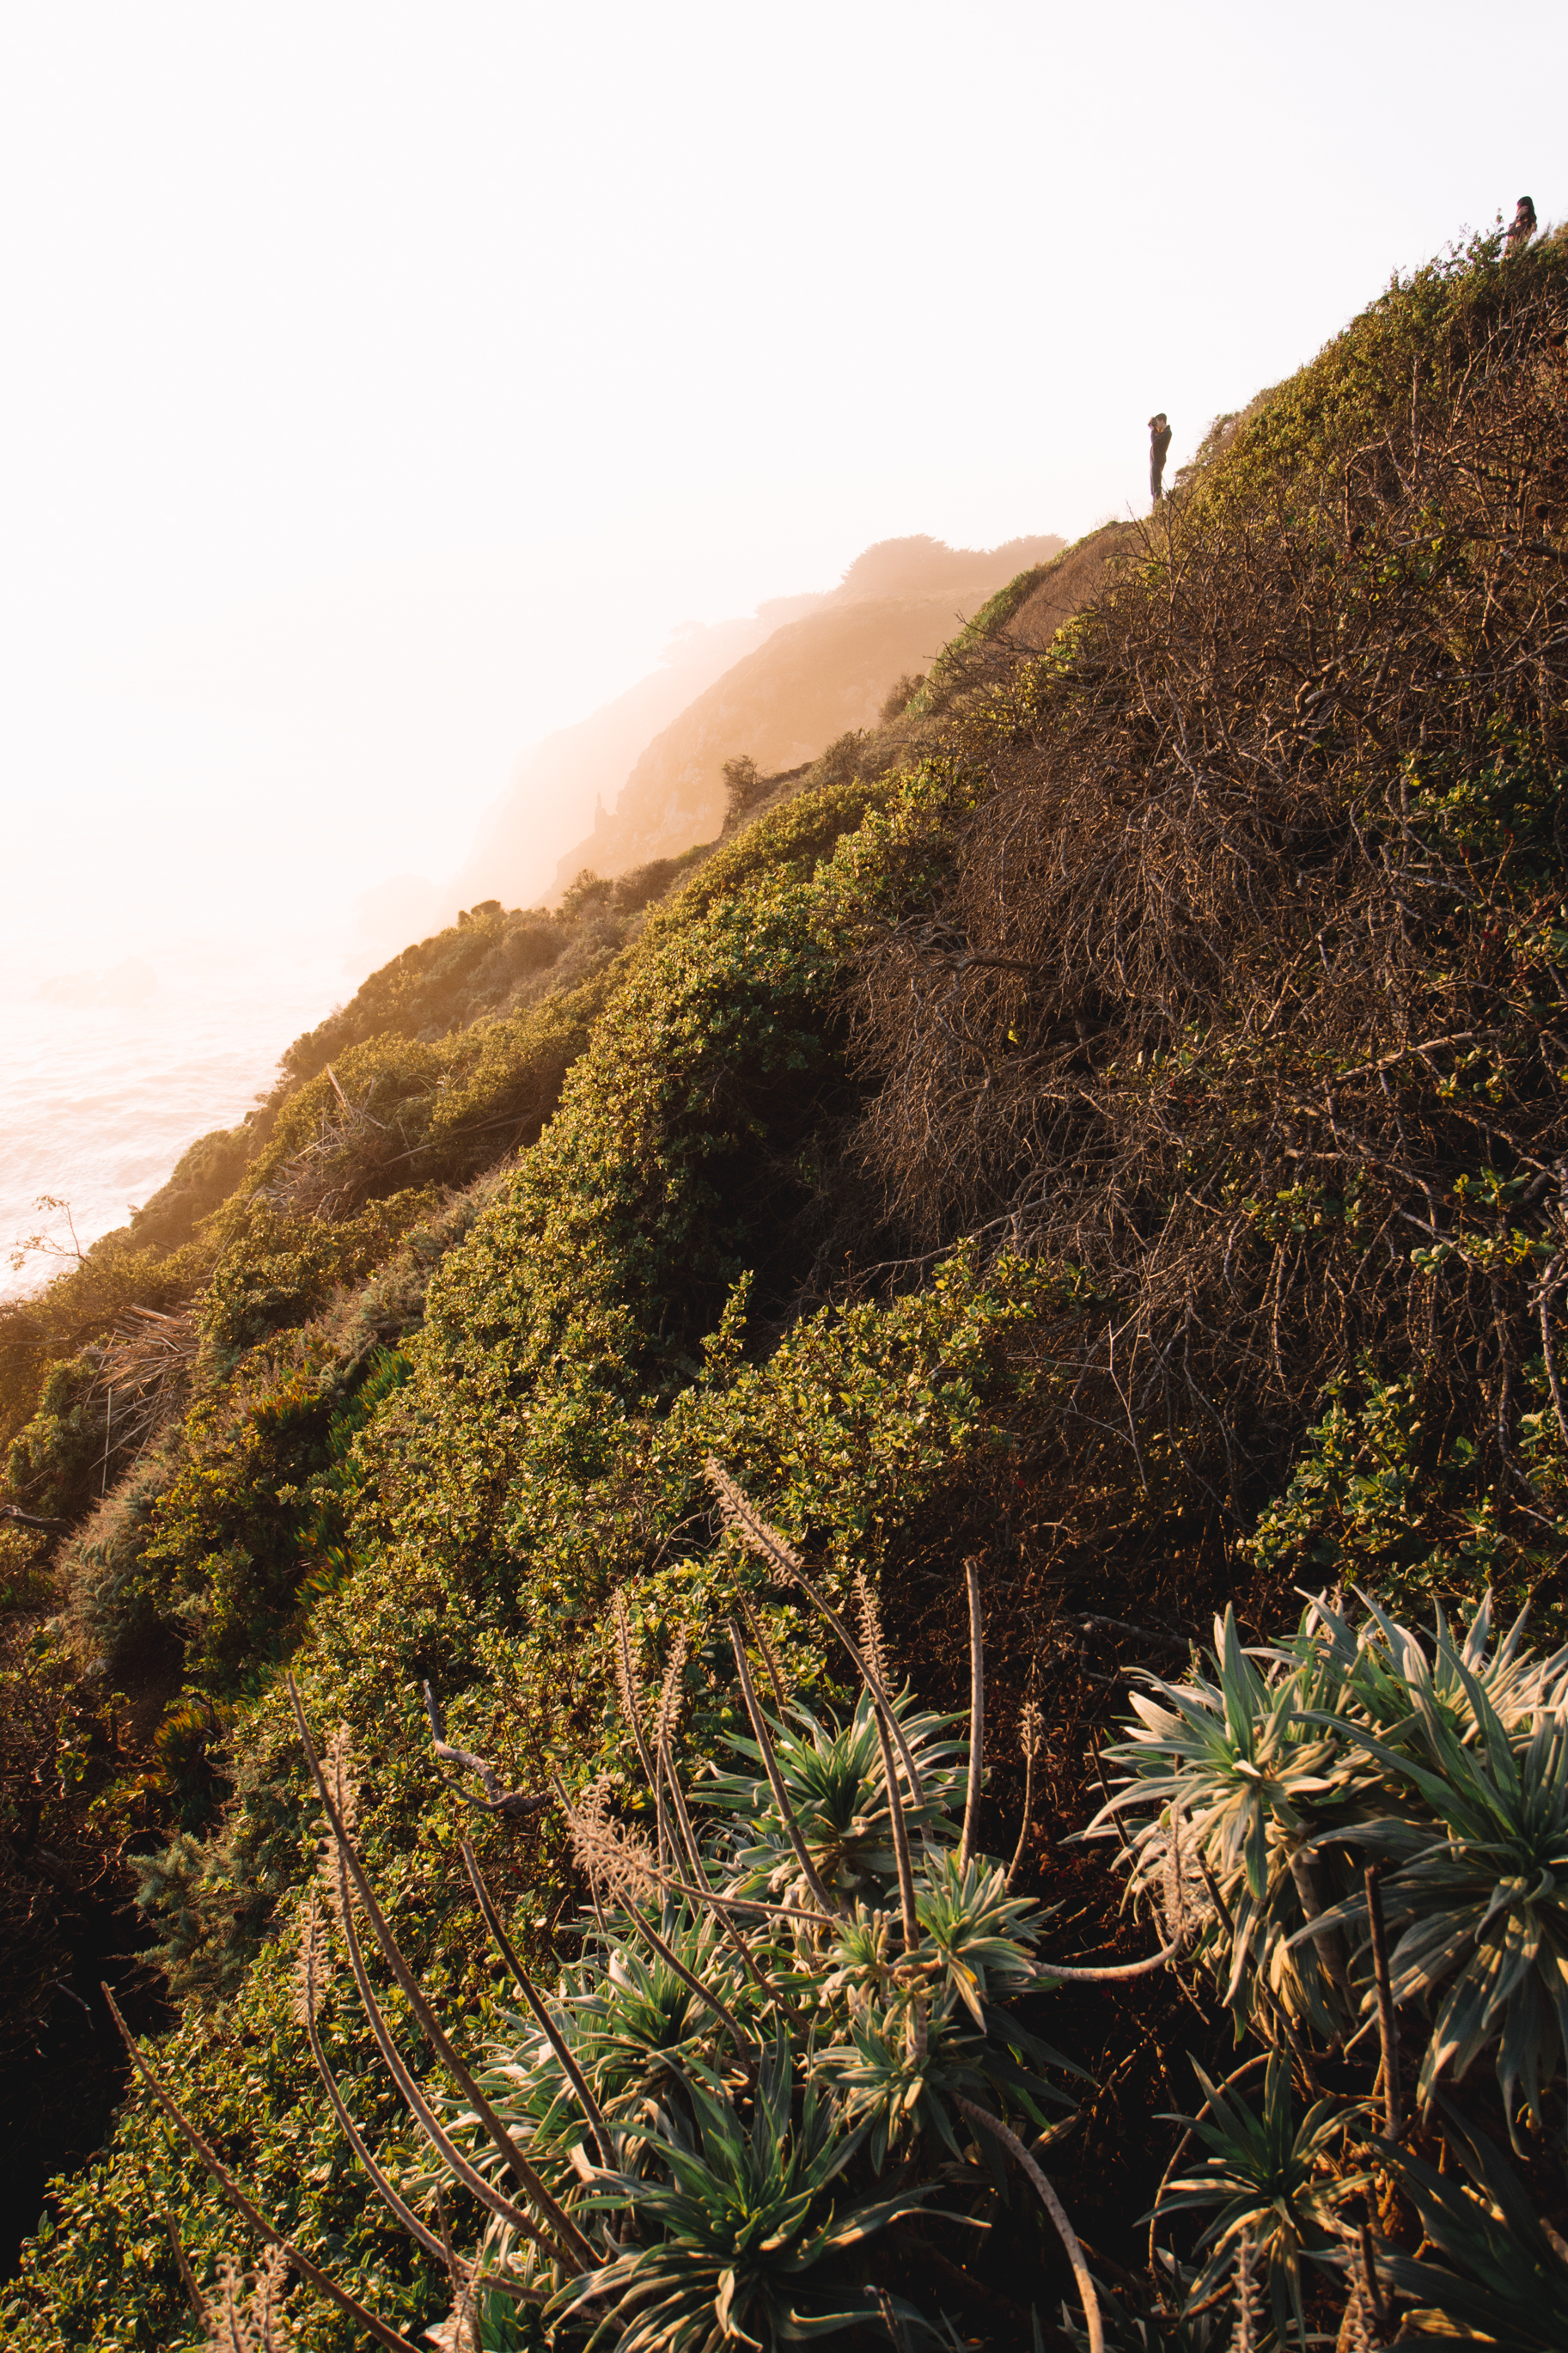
27,1519
812,1876
1160,1961
1054,2207
515,1804
1143,1633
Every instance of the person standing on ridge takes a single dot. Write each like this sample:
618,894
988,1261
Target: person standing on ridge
1159,443
1520,228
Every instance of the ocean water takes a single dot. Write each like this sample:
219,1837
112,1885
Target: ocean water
107,1074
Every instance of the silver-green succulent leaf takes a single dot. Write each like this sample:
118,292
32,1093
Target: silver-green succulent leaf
834,1778
1276,2184
1478,1895
1287,1770
1235,1767
977,1934
1499,2276
742,2229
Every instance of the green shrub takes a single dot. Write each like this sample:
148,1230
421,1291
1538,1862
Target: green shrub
1390,1489
276,1272
50,1464
442,984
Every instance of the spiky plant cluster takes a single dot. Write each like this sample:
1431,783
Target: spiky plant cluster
796,2018
794,2021
1298,1766
1380,1826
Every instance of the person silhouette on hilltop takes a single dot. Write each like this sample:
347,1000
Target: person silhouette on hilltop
1520,228
1159,443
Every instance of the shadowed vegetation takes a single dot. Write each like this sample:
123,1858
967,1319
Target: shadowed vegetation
1105,1124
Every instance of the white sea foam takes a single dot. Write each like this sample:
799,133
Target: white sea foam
105,1080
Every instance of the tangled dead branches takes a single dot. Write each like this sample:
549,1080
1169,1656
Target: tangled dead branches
143,1374
347,1161
1251,975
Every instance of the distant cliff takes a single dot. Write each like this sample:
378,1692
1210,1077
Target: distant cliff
814,680
559,786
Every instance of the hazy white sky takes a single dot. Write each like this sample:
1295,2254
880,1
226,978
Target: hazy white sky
383,383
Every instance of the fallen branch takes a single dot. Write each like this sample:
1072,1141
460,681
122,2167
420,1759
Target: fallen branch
515,1804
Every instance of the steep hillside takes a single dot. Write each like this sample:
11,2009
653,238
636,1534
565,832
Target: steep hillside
1092,1158
815,681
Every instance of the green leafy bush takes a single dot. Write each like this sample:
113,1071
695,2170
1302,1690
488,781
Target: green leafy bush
697,2119
50,1463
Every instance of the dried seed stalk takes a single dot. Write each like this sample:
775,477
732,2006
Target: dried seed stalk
1054,2207
748,1521
1030,1732
559,2223
976,1714
357,2312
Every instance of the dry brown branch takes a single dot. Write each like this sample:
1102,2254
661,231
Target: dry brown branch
1213,937
976,1714
515,1804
